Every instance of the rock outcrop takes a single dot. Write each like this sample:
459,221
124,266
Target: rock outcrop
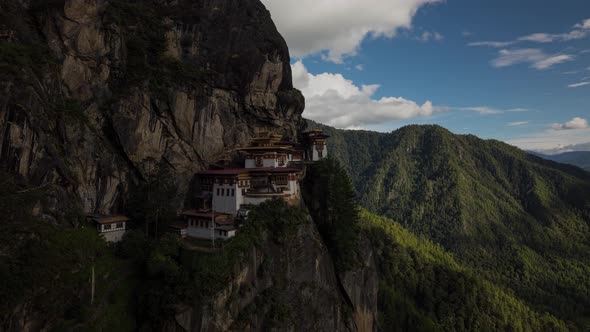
289,285
95,92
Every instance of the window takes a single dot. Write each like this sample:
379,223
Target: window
120,225
222,191
320,154
226,192
107,226
217,191
233,192
258,161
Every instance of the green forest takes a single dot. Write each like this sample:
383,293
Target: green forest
516,220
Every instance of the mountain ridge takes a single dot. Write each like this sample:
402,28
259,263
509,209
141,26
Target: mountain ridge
508,214
576,158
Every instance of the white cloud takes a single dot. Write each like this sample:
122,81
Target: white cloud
491,44
428,36
549,38
560,148
336,101
484,110
518,123
577,85
467,33
549,62
575,123
339,26
584,25
535,57
551,139
580,31
360,67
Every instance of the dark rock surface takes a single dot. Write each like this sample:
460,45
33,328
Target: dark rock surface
290,285
94,92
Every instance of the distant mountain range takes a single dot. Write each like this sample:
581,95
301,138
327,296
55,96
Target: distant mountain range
577,158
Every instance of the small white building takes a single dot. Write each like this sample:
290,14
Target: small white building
229,189
111,228
199,224
316,145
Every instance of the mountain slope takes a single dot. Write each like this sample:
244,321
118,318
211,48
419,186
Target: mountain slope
576,158
521,221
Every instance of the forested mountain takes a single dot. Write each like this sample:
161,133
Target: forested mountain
576,158
518,220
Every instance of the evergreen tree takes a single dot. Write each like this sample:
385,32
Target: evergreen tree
332,202
153,202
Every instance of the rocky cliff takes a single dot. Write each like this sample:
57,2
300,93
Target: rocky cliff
95,92
287,282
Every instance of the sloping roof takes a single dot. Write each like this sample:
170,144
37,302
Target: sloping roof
107,219
238,171
178,225
224,222
201,213
275,170
228,171
226,228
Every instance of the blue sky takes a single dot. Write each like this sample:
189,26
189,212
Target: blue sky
496,69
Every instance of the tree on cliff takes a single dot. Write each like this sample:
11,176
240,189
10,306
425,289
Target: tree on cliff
330,197
153,201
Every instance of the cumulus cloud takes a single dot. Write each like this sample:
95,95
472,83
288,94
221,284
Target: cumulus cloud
339,26
577,85
336,101
560,148
533,56
575,123
554,140
584,25
579,31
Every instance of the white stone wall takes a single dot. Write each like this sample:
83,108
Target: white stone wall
198,232
207,233
113,236
266,162
293,187
224,203
222,236
315,153
270,162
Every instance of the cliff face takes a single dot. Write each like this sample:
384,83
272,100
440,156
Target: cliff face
289,285
95,92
